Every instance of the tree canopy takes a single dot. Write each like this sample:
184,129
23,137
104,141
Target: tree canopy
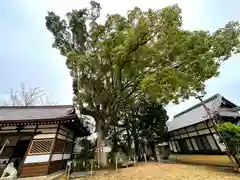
142,55
145,51
152,124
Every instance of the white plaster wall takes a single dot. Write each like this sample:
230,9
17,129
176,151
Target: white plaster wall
170,145
221,145
56,157
177,137
189,144
9,128
190,128
59,136
31,126
174,147
27,130
44,136
54,130
204,131
10,131
66,156
184,135
212,130
37,158
194,144
69,139
212,142
193,134
62,132
201,126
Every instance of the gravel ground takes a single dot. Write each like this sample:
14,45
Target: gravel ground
154,171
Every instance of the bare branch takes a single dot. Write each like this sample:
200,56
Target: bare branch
28,96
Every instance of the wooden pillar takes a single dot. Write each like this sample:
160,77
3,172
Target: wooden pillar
52,150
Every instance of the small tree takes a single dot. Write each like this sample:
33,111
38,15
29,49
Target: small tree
231,134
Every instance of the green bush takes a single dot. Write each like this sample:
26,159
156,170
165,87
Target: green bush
231,134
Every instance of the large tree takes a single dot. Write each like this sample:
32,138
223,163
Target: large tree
145,53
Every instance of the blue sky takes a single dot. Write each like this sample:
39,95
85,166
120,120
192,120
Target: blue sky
27,56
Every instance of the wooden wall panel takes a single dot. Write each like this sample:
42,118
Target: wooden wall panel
34,169
57,166
59,146
68,148
44,136
7,151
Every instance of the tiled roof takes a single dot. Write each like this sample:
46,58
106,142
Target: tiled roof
8,113
229,113
196,113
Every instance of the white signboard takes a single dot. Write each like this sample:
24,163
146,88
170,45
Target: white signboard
104,149
107,149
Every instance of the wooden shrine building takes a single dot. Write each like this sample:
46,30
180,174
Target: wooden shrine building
38,139
193,136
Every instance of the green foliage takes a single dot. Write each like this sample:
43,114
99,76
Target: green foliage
231,133
143,54
87,151
152,122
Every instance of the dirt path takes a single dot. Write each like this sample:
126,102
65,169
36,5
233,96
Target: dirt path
166,172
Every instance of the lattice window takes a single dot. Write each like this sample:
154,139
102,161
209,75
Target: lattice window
41,146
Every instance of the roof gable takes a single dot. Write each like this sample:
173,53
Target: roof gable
196,106
197,113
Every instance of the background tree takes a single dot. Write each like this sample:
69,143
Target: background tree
143,52
28,96
152,125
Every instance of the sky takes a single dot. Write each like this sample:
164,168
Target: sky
27,56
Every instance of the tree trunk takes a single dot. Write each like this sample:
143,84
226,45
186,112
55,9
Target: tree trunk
136,146
152,146
101,142
129,143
